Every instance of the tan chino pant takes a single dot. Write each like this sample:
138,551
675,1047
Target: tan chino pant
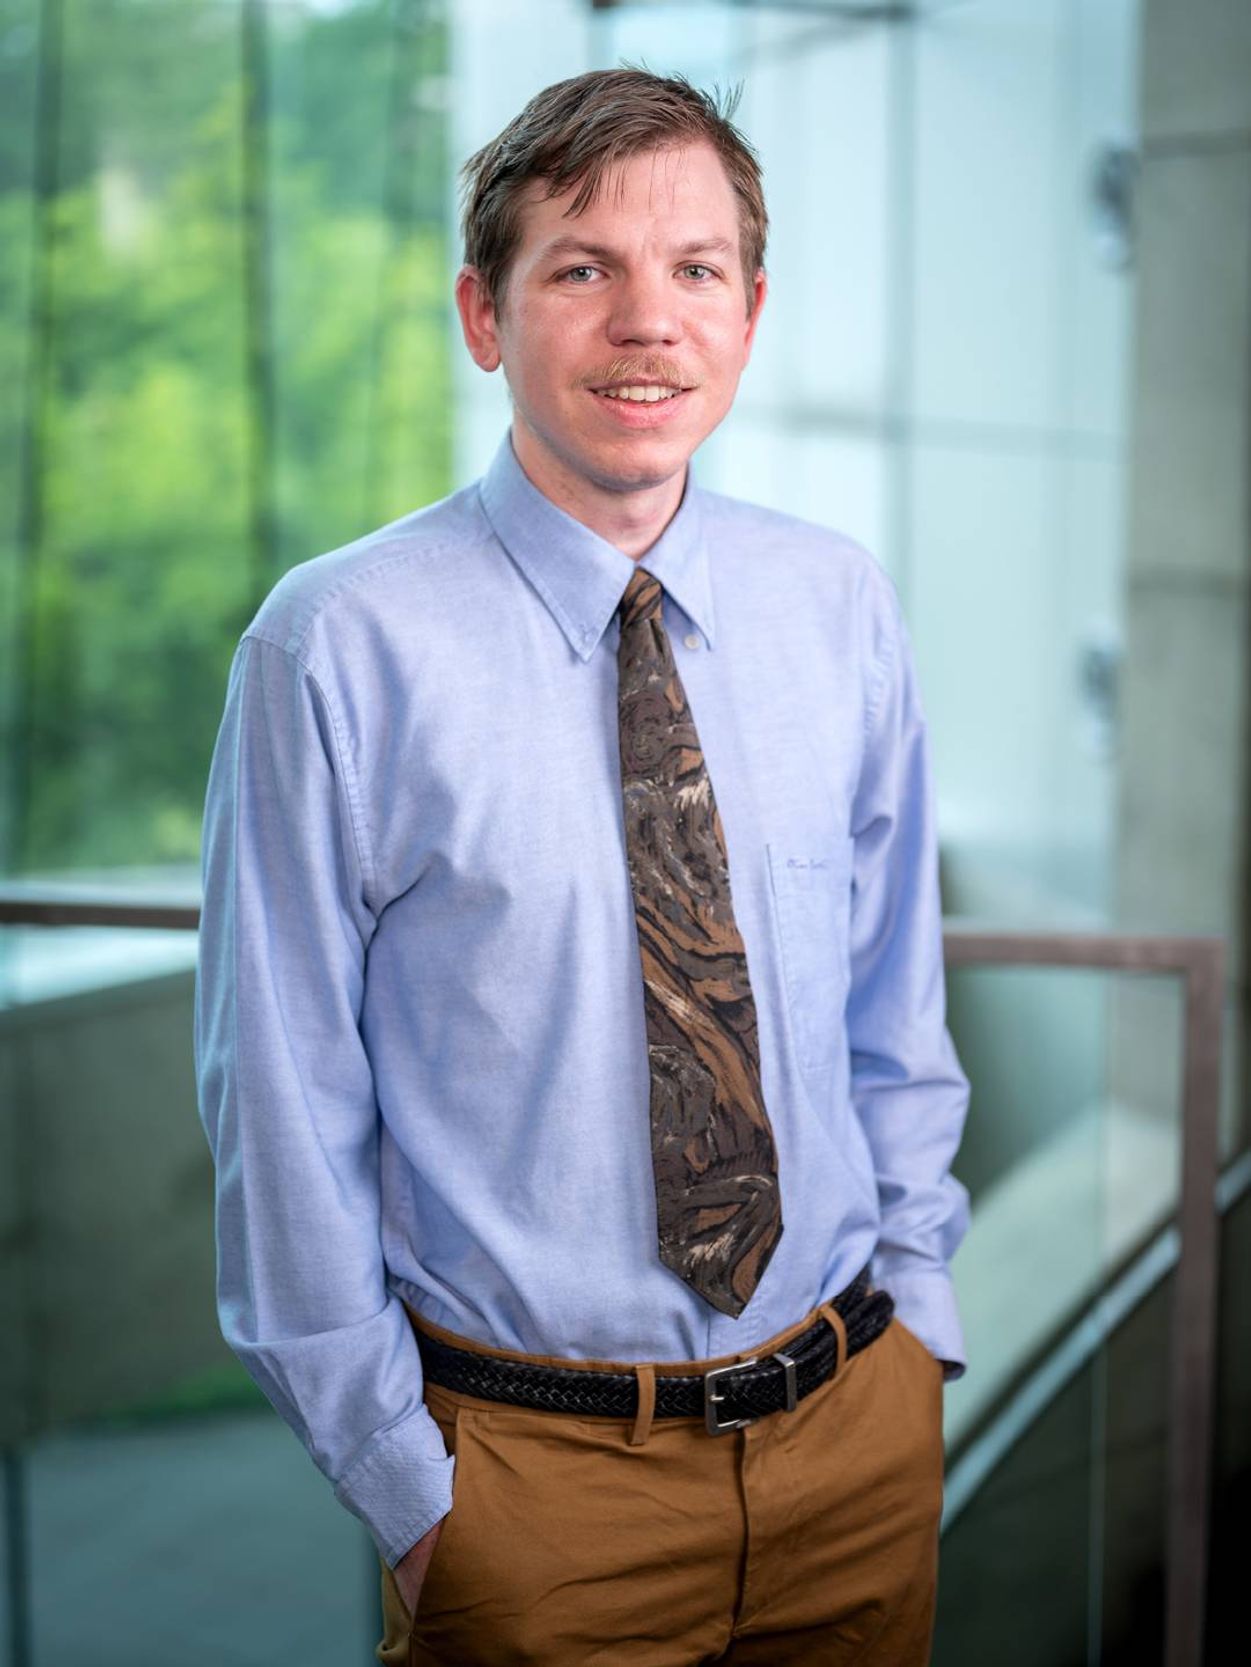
807,1537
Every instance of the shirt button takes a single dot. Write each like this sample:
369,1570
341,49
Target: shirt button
691,639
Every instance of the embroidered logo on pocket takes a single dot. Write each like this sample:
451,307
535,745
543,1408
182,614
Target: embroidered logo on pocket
812,901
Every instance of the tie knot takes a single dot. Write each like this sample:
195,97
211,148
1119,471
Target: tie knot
641,599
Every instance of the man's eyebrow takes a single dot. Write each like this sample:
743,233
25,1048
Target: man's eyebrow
568,244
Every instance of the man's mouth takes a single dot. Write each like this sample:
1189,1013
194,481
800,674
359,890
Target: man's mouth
641,393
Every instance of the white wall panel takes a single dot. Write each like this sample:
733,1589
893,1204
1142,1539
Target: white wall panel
820,122
986,542
988,111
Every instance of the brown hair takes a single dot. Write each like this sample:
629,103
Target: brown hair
574,132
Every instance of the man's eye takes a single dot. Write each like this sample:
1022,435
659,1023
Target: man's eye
574,271
696,270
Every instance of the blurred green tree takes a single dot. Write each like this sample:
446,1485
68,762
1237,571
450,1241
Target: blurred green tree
224,345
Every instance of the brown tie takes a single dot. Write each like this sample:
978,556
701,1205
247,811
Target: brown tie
719,1211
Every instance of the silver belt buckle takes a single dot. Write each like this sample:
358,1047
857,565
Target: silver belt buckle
713,1424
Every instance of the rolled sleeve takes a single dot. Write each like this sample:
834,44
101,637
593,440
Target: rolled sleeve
287,1100
908,1088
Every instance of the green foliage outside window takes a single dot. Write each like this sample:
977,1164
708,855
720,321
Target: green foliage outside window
223,350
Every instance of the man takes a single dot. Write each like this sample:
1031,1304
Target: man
570,1023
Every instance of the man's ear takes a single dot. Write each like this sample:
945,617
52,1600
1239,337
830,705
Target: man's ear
477,318
760,289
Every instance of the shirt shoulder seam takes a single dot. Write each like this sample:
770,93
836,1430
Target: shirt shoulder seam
388,557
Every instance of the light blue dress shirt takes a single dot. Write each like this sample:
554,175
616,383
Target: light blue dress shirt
420,1041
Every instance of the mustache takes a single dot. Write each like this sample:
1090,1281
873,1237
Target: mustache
638,368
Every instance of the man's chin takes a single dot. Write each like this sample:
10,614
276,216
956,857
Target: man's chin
620,464
639,465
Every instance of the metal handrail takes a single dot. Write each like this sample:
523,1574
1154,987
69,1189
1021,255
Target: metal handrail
74,906
1200,963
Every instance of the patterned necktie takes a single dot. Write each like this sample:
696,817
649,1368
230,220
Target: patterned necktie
719,1211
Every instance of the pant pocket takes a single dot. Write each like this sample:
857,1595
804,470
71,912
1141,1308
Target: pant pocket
456,1588
399,1622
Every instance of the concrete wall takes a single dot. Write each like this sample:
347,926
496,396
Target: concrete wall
106,1208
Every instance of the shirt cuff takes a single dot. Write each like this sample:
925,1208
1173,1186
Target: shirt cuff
925,1301
400,1486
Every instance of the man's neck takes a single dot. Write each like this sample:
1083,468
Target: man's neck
633,521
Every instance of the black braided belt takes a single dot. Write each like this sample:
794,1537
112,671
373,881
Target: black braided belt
726,1397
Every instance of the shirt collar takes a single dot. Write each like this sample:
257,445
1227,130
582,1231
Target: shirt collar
581,576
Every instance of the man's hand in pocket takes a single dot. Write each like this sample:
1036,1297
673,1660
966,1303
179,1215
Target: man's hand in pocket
410,1571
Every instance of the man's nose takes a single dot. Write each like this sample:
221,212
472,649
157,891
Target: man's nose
645,310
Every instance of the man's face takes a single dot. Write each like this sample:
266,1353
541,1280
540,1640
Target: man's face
642,291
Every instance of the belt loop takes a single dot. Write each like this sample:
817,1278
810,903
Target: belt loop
647,1405
834,1319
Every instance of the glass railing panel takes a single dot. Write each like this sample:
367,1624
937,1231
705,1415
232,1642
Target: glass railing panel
1057,1435
160,1496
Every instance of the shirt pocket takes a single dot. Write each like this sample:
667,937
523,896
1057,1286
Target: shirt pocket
812,901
